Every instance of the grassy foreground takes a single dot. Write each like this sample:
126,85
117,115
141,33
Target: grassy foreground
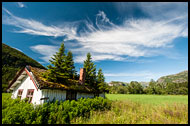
130,109
141,109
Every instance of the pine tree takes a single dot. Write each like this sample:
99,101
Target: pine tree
100,80
90,71
57,72
70,65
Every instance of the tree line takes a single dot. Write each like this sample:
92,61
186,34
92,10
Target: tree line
154,87
62,69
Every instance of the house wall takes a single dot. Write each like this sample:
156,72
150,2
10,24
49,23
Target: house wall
51,94
84,95
25,85
102,95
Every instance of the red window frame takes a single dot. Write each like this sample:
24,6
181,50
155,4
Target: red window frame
19,94
29,95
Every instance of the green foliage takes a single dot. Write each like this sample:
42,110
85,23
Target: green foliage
57,72
19,112
153,88
12,61
70,65
62,67
101,80
135,88
118,89
90,71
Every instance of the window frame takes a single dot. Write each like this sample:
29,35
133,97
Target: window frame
30,96
19,95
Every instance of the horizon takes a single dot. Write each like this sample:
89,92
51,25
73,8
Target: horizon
130,41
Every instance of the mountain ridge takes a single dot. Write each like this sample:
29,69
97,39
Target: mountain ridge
180,77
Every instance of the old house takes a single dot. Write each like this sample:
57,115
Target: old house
28,83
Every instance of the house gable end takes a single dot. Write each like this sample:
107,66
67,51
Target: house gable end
17,80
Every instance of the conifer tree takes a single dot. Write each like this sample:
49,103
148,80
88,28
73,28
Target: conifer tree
100,80
90,71
70,65
57,72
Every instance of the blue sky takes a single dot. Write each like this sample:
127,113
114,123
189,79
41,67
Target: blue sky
129,41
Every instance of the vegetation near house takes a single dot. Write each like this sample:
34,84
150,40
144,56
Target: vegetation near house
90,71
59,81
62,70
12,61
62,67
15,111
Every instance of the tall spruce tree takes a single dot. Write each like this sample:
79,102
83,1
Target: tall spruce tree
90,71
57,72
100,80
70,65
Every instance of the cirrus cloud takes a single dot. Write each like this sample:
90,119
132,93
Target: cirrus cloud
106,41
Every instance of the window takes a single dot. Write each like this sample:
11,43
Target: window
19,95
29,95
71,95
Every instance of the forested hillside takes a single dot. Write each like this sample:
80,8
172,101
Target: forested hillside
12,61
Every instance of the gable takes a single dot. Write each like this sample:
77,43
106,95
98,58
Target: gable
23,73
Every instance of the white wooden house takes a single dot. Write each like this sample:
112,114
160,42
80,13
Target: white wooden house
28,83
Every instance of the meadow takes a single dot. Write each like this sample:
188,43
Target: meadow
149,99
141,109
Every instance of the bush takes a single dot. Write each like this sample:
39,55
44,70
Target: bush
15,111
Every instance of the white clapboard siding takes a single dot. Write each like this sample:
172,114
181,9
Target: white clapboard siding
26,84
51,94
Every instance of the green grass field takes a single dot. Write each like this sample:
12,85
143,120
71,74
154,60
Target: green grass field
149,99
141,109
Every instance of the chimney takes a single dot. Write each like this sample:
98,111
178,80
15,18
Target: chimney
82,75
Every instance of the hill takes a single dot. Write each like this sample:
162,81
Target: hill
174,78
12,61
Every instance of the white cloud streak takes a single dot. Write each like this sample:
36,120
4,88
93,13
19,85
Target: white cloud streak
17,49
141,75
46,50
20,4
133,38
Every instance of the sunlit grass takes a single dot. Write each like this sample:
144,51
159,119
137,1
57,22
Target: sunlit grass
149,99
127,112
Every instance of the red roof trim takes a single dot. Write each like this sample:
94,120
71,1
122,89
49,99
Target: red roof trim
31,78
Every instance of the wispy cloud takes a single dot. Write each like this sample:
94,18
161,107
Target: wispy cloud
21,5
107,41
17,49
46,51
138,75
141,75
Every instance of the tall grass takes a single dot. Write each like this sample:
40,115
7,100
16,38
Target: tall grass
150,99
128,112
